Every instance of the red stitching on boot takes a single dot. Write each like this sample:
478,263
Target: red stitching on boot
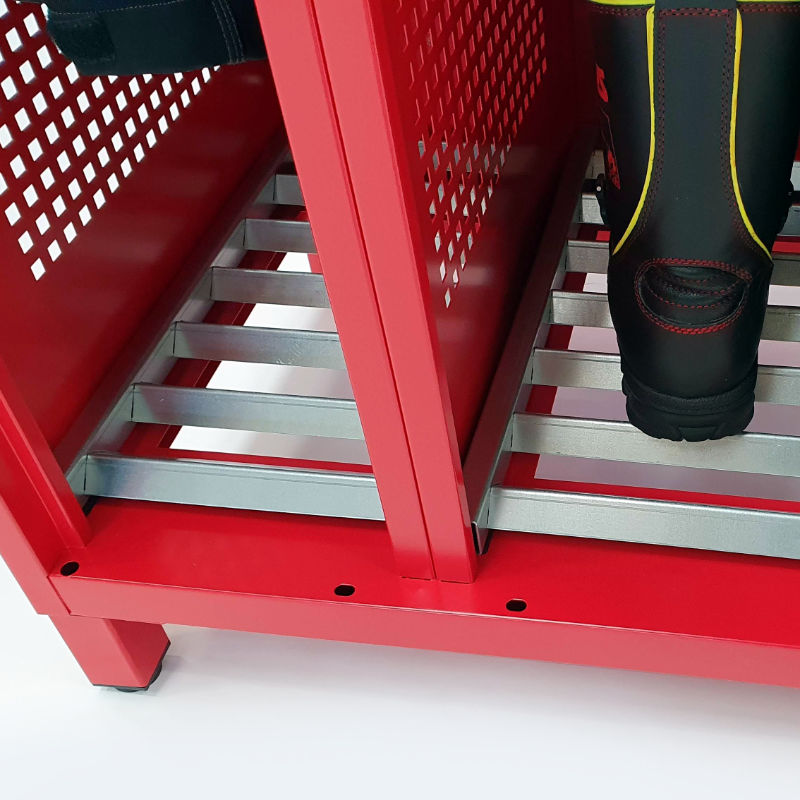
763,8
722,266
682,305
658,168
686,331
742,233
620,12
693,12
663,283
695,288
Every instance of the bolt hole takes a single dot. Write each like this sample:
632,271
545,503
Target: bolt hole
516,605
70,568
344,590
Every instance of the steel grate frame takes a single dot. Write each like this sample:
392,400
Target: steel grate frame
228,485
624,519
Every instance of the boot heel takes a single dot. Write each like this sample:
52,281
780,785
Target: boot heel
696,419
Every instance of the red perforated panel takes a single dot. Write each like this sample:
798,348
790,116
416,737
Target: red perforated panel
68,143
105,186
484,92
474,71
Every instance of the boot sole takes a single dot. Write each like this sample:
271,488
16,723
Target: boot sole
696,419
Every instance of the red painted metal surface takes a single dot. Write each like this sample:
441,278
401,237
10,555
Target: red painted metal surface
106,187
38,512
481,465
455,119
114,194
385,104
297,61
114,652
602,603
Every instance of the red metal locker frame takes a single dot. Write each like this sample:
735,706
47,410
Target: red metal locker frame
588,602
111,581
157,171
298,65
448,281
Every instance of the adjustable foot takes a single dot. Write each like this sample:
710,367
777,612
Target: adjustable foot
135,689
114,653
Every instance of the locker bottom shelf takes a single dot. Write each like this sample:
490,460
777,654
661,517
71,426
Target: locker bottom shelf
214,330
551,598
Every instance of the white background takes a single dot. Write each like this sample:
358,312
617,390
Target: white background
243,716
239,716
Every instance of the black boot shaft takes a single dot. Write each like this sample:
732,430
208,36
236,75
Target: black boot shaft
701,107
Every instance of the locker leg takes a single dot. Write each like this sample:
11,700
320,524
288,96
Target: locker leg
125,655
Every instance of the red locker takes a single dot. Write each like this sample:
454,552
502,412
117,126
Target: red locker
430,156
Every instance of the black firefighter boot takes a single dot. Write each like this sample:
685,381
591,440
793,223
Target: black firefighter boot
700,109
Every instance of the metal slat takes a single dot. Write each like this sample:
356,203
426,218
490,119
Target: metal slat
246,411
588,257
583,309
590,209
590,214
287,190
760,453
579,370
278,236
782,324
730,530
592,257
792,225
224,485
269,286
257,345
587,309
283,189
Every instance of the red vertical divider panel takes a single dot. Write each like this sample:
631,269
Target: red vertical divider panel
455,117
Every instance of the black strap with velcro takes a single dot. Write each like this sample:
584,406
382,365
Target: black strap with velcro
134,37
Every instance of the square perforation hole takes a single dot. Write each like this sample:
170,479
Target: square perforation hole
14,40
13,214
45,59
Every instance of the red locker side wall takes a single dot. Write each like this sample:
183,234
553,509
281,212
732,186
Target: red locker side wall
105,187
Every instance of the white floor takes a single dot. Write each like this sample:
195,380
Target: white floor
244,716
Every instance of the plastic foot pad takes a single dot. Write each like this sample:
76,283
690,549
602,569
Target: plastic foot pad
136,689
